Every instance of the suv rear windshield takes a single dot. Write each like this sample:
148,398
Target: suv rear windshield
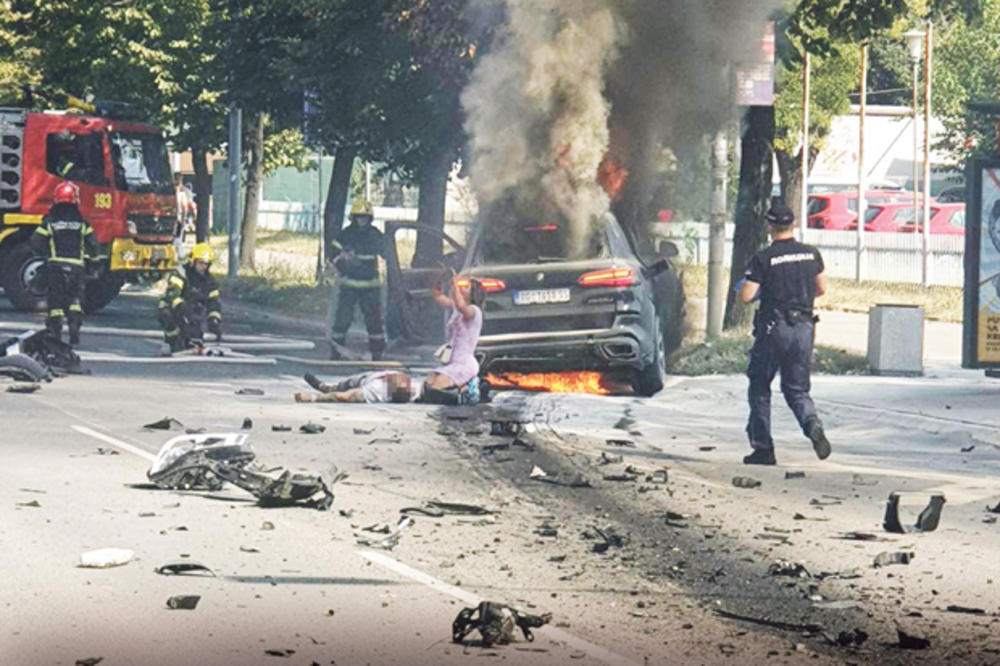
536,244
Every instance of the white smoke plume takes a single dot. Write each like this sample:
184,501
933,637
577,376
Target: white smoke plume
538,104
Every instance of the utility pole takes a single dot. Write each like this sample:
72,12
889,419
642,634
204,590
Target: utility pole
862,185
717,238
804,197
321,253
928,45
235,162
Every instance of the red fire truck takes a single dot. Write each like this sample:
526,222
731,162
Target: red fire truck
126,193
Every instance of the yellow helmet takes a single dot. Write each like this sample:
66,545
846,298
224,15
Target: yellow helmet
203,252
362,206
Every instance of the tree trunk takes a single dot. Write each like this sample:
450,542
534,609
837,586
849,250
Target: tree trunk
431,202
336,195
790,171
752,203
202,192
255,177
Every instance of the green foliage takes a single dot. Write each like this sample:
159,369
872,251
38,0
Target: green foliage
728,356
285,148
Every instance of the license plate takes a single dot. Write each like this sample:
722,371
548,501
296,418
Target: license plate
541,296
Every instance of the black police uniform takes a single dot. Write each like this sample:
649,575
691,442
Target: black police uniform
190,298
67,241
359,284
783,336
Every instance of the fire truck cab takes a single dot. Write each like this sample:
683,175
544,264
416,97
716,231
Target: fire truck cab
126,193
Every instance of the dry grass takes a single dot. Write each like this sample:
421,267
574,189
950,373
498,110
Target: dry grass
728,356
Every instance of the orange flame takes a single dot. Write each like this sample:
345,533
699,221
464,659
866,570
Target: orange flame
554,382
611,176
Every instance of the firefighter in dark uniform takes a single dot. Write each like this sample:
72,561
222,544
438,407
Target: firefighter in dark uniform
786,277
192,296
68,242
355,254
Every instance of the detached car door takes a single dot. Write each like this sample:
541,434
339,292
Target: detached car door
410,313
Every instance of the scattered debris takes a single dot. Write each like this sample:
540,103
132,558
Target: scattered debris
24,387
89,661
505,428
859,480
989,520
364,431
706,448
250,391
280,653
537,472
101,451
104,558
490,449
523,443
247,423
787,568
391,541
628,478
967,449
908,642
33,504
195,431
994,509
858,536
777,624
207,461
266,526
927,521
183,569
609,536
621,442
745,482
819,502
183,602
384,440
312,428
966,609
608,459
166,423
557,558
496,623
280,427
579,481
897,557
249,549
658,476
795,475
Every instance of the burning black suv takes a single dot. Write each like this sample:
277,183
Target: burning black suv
607,308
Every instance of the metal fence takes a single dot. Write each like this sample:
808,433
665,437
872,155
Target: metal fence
887,257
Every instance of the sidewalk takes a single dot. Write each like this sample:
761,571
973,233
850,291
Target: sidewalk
849,331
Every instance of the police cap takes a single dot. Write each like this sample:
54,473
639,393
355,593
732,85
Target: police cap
780,216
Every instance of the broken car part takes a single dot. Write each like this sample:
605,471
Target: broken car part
24,368
54,356
105,558
505,428
927,521
183,602
207,461
745,482
786,568
898,557
909,642
777,624
496,623
250,391
166,423
390,541
312,428
281,428
22,387
183,568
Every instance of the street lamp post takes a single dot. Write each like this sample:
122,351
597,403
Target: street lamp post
915,43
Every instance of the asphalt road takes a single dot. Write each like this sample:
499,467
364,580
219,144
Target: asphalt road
688,548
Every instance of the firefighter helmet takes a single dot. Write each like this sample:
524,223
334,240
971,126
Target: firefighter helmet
362,206
67,192
203,252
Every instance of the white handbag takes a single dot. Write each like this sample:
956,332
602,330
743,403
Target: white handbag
443,354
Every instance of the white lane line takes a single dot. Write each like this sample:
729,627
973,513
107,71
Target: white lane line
145,333
596,651
117,358
107,439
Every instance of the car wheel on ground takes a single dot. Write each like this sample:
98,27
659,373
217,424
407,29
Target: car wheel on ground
18,274
101,291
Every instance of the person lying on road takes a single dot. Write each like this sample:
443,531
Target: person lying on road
379,386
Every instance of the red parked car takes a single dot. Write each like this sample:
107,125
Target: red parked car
839,210
945,218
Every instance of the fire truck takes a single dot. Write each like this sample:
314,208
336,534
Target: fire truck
126,193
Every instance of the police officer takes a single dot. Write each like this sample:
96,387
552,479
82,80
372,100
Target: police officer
786,277
67,241
355,254
192,296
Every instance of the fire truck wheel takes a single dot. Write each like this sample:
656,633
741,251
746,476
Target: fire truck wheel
17,274
101,291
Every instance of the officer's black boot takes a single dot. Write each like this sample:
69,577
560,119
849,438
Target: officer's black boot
760,457
814,431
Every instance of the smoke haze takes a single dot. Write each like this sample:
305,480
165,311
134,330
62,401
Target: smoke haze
538,104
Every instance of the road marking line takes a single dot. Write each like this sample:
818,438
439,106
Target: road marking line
107,439
554,633
146,333
117,358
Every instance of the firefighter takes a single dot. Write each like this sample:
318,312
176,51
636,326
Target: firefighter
67,241
355,253
192,296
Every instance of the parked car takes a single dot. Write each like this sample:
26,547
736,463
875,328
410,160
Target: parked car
605,309
839,210
898,217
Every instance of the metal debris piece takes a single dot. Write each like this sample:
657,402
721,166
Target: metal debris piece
33,503
312,428
658,476
166,423
250,391
523,443
267,526
383,440
24,387
994,509
795,475
496,623
852,637
621,442
908,642
364,431
897,557
745,482
787,626
280,427
610,539
505,428
965,609
608,459
378,528
858,536
927,521
249,549
628,478
537,472
458,508
391,541
967,449
101,451
183,602
490,449
787,568
288,652
184,568
104,558
557,558
89,661
247,423
706,448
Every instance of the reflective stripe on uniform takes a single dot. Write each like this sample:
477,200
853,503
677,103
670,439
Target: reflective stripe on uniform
42,231
214,314
75,307
176,281
162,304
177,301
56,312
361,284
67,260
173,333
335,245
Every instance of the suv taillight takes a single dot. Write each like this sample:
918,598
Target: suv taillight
609,277
489,285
